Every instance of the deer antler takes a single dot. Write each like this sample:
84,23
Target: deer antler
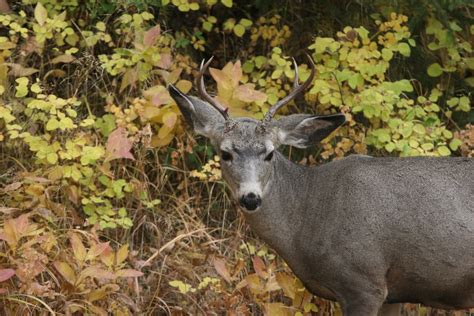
202,90
297,89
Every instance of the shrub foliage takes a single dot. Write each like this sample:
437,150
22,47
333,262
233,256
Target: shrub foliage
107,205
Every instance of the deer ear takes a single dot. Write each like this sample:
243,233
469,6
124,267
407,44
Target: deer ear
303,130
204,118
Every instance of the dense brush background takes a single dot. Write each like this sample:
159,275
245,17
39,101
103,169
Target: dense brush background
109,205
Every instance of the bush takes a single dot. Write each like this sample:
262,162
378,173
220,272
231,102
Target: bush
109,206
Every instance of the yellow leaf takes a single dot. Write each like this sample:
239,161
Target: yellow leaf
66,271
122,254
169,119
287,283
184,85
277,309
156,141
40,14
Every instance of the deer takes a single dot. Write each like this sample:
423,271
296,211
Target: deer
364,231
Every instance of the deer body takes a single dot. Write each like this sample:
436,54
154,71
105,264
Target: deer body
363,231
375,229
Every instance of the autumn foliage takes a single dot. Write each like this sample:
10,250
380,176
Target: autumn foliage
109,206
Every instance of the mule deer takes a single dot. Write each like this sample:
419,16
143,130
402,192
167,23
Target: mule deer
363,231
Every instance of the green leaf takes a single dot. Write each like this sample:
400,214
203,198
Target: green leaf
245,22
90,154
404,49
22,87
355,80
52,158
362,31
434,70
227,3
52,124
420,129
452,102
40,14
455,143
239,30
444,151
427,146
464,104
207,26
387,54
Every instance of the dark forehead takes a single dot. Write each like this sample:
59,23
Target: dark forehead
245,137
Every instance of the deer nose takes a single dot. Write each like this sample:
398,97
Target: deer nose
250,201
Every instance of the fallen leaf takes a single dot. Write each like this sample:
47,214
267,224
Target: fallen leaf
66,271
63,59
221,268
78,247
259,266
128,273
5,274
18,70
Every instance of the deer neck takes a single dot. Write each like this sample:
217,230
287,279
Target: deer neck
283,203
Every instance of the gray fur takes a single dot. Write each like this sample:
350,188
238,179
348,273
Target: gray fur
363,231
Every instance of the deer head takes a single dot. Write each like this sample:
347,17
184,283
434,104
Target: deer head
247,146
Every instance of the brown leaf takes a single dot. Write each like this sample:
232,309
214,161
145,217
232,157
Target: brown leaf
259,266
128,273
96,250
66,59
18,70
277,309
287,283
150,36
107,257
8,210
96,272
12,187
66,271
165,62
221,268
255,284
118,145
58,73
5,274
77,247
130,78
247,93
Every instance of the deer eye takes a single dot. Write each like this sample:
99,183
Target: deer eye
269,156
226,156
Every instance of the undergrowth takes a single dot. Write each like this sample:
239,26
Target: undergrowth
109,205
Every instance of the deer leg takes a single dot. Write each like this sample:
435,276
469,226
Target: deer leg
361,309
362,304
391,310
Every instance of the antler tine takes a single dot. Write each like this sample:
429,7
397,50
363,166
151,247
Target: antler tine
202,89
297,89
